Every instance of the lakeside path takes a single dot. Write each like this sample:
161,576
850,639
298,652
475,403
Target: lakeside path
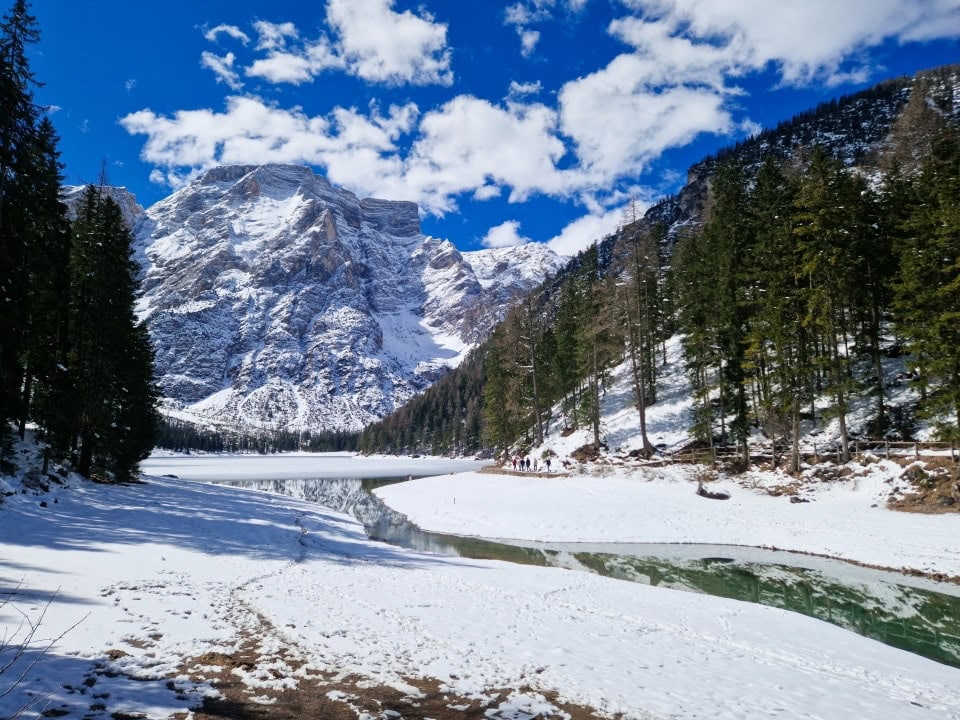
169,580
846,519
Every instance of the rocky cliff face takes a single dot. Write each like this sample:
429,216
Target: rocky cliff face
276,300
133,213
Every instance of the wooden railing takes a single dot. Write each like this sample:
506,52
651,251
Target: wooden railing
813,454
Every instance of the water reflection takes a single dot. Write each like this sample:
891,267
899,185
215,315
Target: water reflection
912,614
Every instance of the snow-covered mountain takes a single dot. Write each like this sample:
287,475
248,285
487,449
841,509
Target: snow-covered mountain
277,300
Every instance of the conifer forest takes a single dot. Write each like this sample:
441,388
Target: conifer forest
74,360
804,273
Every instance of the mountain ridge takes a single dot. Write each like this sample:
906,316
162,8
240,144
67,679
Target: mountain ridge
276,300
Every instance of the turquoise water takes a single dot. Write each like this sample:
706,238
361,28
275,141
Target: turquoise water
913,614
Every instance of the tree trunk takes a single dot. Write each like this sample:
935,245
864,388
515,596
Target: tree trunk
25,403
595,390
641,401
86,454
795,440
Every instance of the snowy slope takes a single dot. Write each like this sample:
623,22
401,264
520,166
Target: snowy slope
843,514
162,587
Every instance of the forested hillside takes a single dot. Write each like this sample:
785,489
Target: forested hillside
73,358
791,264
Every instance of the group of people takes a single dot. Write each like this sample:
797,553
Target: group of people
523,464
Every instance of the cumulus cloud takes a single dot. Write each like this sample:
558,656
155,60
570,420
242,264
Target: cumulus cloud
281,66
584,231
380,45
222,67
676,79
506,234
807,42
528,41
230,30
470,143
367,39
687,56
467,145
648,120
273,36
252,131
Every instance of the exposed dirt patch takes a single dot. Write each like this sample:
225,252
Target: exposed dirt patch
265,674
323,695
927,486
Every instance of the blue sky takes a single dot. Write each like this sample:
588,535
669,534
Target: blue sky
531,120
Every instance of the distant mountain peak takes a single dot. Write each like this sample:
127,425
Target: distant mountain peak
276,300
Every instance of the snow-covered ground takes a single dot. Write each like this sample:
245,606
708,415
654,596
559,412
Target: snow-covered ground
845,519
144,577
150,595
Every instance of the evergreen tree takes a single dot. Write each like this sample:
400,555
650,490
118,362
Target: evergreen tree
928,290
46,267
17,134
110,405
729,236
778,353
714,285
829,218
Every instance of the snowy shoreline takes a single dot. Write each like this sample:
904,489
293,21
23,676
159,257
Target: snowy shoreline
846,520
176,569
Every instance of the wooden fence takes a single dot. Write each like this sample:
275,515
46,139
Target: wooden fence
813,454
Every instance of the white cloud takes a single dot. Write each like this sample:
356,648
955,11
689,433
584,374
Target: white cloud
807,41
230,30
273,36
222,67
367,39
283,67
521,15
676,80
688,55
518,89
647,121
506,234
528,41
349,144
380,45
296,67
583,232
130,84
469,143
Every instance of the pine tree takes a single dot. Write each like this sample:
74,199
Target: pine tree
110,405
641,306
827,220
928,290
46,267
17,132
713,283
779,352
730,237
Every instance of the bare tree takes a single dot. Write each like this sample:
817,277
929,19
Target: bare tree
15,664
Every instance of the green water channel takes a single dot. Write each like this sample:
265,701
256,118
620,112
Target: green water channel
914,614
